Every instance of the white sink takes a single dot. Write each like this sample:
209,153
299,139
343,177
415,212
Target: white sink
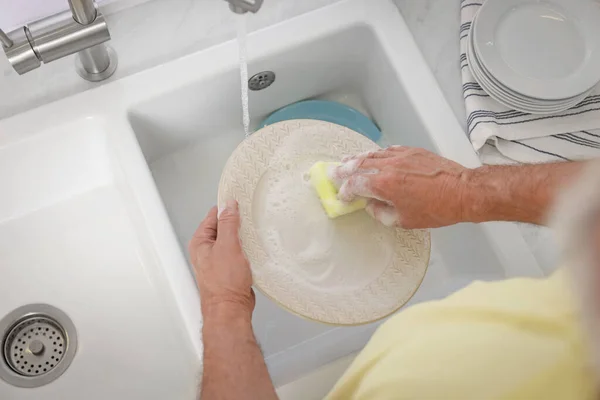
110,197
71,237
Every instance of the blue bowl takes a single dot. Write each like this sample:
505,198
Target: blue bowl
328,111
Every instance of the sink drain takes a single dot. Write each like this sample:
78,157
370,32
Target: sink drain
35,346
262,80
38,345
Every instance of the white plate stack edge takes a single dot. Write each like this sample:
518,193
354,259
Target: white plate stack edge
536,57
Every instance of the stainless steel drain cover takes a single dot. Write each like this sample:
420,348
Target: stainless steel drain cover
38,345
262,80
35,346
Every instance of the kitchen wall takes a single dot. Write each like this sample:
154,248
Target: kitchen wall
145,35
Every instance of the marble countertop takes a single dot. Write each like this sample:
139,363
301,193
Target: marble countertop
435,27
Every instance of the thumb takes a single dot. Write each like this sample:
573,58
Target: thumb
229,224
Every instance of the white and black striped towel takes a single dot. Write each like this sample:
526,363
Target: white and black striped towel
502,135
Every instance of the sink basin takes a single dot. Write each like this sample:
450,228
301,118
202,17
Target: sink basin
69,238
112,194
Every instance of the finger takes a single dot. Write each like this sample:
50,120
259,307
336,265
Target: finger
360,165
356,186
383,212
338,174
229,225
207,231
359,155
383,153
205,235
397,149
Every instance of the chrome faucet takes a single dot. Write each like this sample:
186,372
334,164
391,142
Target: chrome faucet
243,6
81,30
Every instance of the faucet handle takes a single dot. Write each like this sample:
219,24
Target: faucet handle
5,40
19,51
243,6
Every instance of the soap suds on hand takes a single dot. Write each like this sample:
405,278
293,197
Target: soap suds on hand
382,212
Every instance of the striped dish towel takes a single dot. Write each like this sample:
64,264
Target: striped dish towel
501,135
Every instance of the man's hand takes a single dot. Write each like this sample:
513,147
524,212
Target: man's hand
407,187
414,188
222,270
234,367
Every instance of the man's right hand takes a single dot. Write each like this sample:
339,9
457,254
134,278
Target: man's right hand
406,187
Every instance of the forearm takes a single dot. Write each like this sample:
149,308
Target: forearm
523,193
234,367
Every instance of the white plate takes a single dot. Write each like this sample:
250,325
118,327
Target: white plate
530,108
500,97
347,271
506,97
546,49
506,90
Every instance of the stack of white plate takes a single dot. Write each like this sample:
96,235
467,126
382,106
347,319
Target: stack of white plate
539,57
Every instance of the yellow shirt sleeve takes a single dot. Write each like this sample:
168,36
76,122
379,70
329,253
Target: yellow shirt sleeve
516,339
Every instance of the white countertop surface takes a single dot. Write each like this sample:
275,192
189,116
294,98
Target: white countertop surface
435,25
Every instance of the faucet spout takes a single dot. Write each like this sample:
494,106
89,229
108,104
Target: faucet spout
243,6
84,11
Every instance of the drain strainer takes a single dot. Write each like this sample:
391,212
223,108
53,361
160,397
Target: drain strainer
35,346
38,345
262,80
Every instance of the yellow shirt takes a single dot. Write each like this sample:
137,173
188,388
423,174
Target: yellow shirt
516,339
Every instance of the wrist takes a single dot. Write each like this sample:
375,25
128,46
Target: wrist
226,312
473,199
490,196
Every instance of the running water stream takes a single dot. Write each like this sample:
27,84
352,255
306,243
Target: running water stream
241,37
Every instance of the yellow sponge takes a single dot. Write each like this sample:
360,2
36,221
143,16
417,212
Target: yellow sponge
328,192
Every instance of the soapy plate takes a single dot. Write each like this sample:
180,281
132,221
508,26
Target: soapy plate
347,271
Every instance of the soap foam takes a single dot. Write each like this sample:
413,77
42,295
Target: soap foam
346,253
384,213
